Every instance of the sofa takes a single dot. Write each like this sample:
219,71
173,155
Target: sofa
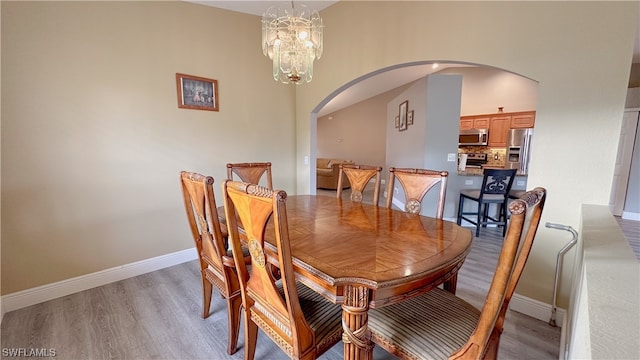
327,172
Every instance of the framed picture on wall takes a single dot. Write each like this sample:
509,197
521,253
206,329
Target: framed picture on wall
403,115
197,93
410,118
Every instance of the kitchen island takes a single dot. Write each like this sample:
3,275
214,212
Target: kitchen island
471,179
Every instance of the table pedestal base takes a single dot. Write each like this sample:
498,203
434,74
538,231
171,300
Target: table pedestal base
356,336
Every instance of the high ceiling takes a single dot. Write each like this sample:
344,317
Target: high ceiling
371,86
258,7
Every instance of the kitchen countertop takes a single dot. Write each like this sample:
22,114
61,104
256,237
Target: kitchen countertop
480,171
471,172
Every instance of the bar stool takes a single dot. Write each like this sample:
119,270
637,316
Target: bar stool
496,185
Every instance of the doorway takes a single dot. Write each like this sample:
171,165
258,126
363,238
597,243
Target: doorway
622,169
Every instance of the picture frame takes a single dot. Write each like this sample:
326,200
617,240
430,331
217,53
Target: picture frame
403,110
198,93
410,118
397,121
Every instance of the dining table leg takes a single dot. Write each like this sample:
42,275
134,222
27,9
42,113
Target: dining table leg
356,335
451,284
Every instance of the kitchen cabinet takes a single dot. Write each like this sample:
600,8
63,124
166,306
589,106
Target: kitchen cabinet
498,124
523,120
474,122
466,124
498,130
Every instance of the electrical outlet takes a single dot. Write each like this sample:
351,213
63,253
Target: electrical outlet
451,157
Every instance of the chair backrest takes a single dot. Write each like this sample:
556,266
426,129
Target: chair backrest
359,176
200,204
525,218
416,183
250,172
280,318
497,182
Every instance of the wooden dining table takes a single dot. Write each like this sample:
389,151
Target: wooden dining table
364,256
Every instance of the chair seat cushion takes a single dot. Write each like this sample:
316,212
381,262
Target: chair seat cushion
431,326
323,316
475,194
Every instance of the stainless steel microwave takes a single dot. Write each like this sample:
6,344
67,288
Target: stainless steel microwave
473,137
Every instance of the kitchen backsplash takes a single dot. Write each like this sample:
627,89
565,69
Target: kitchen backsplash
495,156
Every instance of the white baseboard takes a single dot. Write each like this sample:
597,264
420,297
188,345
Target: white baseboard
630,216
536,309
55,290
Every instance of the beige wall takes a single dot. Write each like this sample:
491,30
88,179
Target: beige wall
355,133
583,78
485,89
93,140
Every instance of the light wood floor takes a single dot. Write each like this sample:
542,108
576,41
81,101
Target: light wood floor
157,316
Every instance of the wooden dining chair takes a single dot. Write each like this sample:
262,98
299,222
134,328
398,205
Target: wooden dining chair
217,267
301,322
251,172
359,177
439,325
416,183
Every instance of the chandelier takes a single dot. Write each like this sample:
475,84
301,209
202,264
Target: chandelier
292,38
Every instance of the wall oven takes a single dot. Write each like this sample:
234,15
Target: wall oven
473,137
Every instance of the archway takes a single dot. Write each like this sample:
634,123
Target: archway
395,77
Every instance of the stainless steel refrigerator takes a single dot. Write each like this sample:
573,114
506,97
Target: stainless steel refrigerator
518,150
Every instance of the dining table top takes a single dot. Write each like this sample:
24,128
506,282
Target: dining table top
337,241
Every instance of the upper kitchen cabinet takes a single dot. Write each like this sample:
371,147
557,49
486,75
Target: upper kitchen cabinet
498,129
498,124
523,120
474,122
